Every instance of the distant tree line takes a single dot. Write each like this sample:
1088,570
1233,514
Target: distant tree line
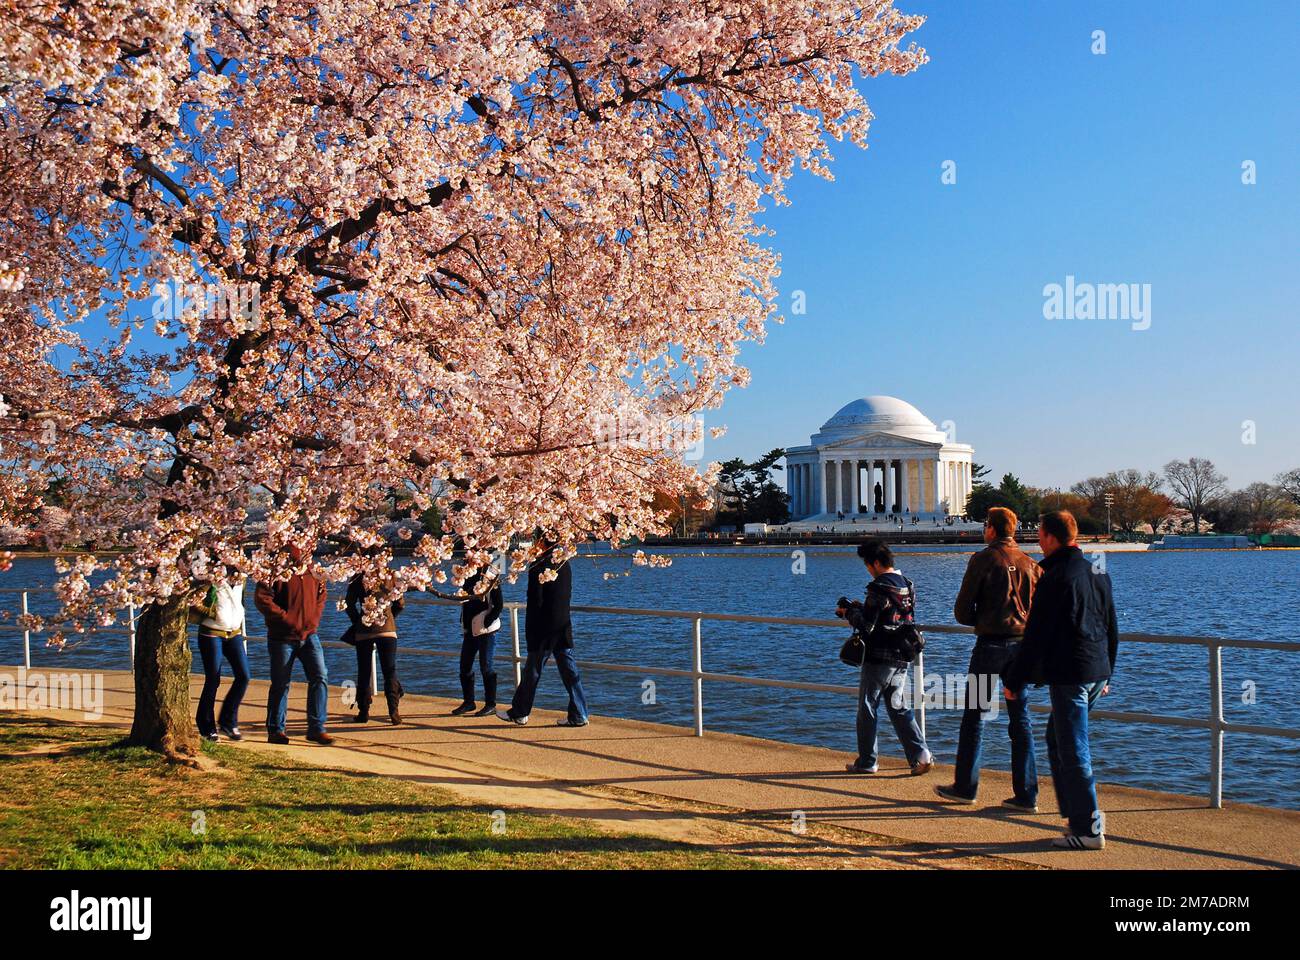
1185,490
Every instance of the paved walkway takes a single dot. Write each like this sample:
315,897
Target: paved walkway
663,780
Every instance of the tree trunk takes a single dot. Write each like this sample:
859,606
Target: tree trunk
162,682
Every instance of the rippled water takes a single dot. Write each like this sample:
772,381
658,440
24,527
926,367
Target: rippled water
1247,594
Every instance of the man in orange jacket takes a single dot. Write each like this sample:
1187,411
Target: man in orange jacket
292,609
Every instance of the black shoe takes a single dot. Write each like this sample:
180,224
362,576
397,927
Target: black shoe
464,708
361,718
951,793
394,716
486,710
230,733
1015,803
570,722
276,736
211,736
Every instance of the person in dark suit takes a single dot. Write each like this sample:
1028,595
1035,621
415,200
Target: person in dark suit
1070,643
480,619
548,633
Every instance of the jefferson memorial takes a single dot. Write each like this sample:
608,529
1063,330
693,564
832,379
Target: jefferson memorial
878,456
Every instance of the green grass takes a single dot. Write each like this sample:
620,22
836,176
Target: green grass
90,803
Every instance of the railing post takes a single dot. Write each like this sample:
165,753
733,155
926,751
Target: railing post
514,638
699,682
27,637
918,682
130,631
1216,728
374,669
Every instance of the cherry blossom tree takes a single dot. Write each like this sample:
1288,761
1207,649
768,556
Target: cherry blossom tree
498,255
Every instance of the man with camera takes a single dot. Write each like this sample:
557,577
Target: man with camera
885,622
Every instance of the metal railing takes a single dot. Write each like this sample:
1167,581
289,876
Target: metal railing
1214,722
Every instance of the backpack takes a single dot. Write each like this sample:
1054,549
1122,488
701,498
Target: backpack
900,638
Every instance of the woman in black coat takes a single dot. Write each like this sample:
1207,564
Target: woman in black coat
480,619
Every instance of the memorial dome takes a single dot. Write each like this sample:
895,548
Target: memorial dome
880,414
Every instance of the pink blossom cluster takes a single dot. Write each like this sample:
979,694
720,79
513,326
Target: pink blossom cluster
474,230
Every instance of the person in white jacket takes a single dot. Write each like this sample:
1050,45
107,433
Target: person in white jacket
220,613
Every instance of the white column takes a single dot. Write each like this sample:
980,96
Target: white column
819,485
903,498
855,471
803,490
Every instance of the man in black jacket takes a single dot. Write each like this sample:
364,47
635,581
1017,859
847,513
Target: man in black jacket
890,603
1070,643
548,632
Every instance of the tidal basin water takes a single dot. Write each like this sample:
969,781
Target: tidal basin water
1242,594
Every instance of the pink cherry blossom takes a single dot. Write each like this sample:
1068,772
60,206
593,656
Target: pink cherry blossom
474,232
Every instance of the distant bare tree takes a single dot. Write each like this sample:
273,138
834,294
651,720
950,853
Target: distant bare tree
1195,484
1289,484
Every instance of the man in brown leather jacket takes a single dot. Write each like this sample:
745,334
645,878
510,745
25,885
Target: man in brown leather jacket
994,598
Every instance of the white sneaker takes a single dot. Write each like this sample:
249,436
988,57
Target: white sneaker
505,715
1070,841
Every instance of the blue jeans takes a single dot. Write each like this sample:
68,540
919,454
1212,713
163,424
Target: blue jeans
1070,757
879,680
526,692
985,675
282,654
484,647
211,650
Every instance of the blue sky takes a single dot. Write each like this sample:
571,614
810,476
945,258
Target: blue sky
1117,168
